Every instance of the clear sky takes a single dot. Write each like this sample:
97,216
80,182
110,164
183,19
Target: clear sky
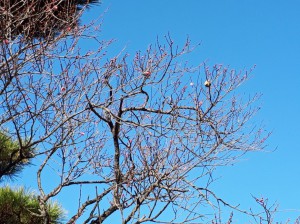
238,33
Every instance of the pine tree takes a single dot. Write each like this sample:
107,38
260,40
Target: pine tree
39,18
13,156
20,206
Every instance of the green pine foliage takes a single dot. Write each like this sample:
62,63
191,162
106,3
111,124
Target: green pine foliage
22,207
39,18
12,157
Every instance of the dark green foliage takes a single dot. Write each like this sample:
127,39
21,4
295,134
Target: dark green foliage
12,157
38,18
19,206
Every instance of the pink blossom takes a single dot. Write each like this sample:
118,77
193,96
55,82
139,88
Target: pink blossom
261,200
147,74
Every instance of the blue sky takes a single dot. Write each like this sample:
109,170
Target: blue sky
240,34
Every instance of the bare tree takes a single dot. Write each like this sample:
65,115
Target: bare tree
26,28
144,132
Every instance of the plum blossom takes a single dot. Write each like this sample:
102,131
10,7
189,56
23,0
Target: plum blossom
146,74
